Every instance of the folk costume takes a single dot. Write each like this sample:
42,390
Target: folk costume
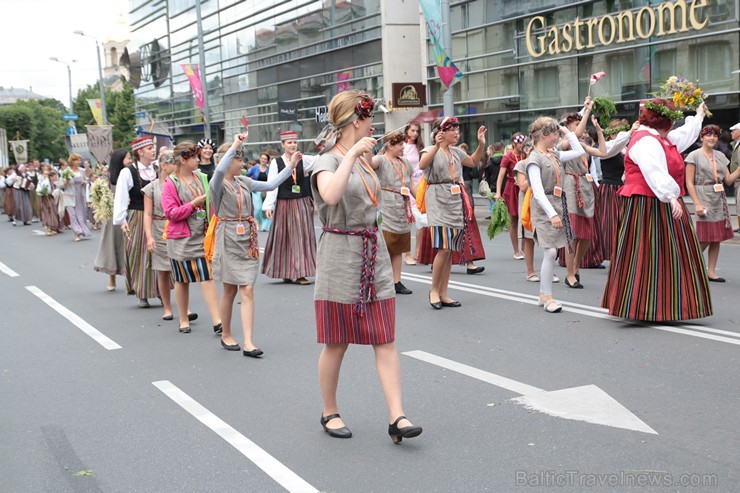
160,260
709,177
21,196
395,175
75,203
608,200
48,207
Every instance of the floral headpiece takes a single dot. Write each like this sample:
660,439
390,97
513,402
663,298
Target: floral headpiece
664,111
192,152
396,139
617,129
448,123
570,118
365,107
710,130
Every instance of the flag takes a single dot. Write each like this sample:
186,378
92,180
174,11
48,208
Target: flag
596,77
194,77
97,110
100,141
447,70
20,150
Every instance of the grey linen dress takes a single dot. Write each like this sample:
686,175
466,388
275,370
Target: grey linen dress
111,256
340,316
393,206
444,208
704,184
160,260
547,236
231,261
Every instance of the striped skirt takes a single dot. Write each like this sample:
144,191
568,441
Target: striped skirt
607,214
22,206
290,252
713,232
49,213
337,323
9,202
595,254
141,279
194,270
427,251
658,272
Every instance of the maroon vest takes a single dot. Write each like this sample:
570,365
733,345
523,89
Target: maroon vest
634,181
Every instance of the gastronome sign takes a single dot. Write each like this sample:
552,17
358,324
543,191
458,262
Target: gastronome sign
669,17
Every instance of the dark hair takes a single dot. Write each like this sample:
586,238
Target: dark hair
267,155
419,141
652,119
498,147
710,130
116,165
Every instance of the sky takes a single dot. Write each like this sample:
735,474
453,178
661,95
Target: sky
35,30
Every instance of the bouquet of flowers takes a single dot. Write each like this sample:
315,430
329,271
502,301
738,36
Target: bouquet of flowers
68,174
603,110
684,94
102,200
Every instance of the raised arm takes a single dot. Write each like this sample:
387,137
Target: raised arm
331,185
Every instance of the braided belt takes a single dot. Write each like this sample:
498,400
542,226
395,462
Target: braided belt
569,234
158,218
406,204
725,211
367,275
467,218
579,197
254,249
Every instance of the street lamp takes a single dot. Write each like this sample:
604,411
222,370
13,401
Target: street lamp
100,76
69,73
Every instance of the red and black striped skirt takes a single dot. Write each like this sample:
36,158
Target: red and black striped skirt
338,323
607,213
290,251
712,232
427,251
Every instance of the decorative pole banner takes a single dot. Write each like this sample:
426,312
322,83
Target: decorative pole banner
100,141
20,150
97,110
448,72
193,75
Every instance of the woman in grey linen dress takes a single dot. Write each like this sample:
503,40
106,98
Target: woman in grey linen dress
549,208
352,259
442,164
706,169
111,256
236,251
154,230
74,199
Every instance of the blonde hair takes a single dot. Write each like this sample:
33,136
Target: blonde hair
74,157
342,106
166,157
543,125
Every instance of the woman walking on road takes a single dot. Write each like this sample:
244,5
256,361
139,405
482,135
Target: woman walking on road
111,256
352,259
412,146
73,184
510,191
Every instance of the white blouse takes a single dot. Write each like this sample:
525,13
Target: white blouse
123,185
272,172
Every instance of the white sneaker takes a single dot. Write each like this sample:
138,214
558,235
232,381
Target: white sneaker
555,278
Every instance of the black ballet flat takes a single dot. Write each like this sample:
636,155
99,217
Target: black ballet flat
477,270
398,434
167,317
575,285
451,304
401,289
230,347
716,279
217,329
192,316
254,353
343,432
578,277
437,305
184,330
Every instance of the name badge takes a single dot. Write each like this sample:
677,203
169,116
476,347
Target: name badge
240,229
455,190
589,177
296,188
718,187
405,191
200,214
557,191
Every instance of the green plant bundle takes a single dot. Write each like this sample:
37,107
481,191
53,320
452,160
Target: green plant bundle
603,109
500,219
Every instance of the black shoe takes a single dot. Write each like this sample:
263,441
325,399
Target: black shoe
578,277
217,329
343,432
192,316
575,285
451,304
254,353
401,289
184,330
437,305
716,279
477,270
398,434
167,317
230,347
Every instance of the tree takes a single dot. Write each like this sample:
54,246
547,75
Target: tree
40,123
122,119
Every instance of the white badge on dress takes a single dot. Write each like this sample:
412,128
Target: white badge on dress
455,190
589,177
718,187
557,191
240,229
405,191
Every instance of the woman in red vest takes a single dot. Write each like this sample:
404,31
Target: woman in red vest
658,272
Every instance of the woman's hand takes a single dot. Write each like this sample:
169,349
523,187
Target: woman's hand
199,200
701,111
676,209
588,104
125,229
701,211
365,144
268,213
635,126
482,136
239,140
496,196
595,123
151,244
295,159
556,222
439,137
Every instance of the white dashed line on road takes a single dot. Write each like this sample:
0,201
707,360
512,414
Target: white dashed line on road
7,270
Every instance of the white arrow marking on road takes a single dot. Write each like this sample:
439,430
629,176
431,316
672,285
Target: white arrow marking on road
587,403
7,270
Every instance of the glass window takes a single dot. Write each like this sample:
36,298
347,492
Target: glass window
547,83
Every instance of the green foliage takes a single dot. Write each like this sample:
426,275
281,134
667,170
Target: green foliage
38,121
122,118
500,219
603,109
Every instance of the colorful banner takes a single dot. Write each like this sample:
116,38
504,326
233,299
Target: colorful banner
20,150
449,74
194,77
97,110
77,144
100,141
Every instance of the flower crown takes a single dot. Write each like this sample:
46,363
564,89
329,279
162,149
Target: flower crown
710,129
365,107
448,123
616,130
192,152
396,139
664,111
570,118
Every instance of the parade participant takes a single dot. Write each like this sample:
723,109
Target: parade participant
8,199
735,164
706,177
207,163
111,256
236,249
523,234
510,192
75,203
657,248
259,173
347,194
448,209
290,252
128,212
21,196
47,204
186,205
550,217
397,190
32,173
154,221
608,201
411,148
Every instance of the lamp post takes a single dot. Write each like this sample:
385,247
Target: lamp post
69,74
100,76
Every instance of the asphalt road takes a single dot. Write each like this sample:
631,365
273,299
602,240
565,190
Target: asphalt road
171,412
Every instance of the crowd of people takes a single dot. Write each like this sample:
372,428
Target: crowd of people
191,214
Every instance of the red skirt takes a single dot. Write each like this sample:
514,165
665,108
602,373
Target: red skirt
9,202
713,232
290,251
658,272
427,252
511,196
337,323
607,208
594,255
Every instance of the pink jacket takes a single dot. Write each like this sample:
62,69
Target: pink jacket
176,212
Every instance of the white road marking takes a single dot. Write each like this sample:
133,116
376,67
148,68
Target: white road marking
586,403
274,468
85,327
591,311
8,271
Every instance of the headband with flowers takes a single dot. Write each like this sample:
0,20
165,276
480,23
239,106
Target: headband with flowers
448,123
710,130
664,111
365,107
518,139
192,152
396,139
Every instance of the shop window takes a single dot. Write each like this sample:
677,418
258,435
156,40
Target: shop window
665,64
713,61
547,82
